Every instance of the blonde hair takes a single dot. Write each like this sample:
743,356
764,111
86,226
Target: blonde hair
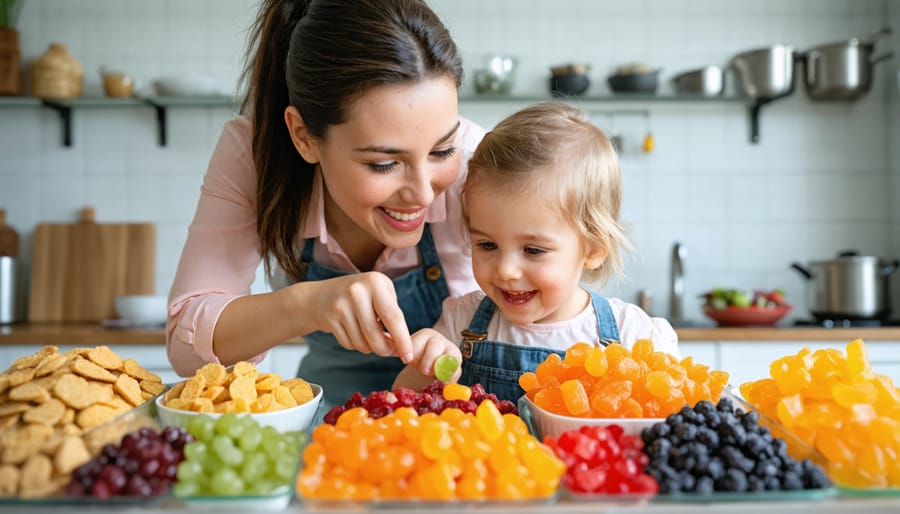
553,150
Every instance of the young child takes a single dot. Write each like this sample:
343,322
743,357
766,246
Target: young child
541,203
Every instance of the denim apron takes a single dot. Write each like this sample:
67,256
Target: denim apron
497,365
341,372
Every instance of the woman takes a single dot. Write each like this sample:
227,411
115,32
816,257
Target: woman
343,174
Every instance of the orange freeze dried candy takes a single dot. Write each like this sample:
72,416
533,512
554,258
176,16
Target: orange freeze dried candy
605,401
595,362
576,353
515,424
489,421
659,384
885,431
862,414
718,379
543,465
549,367
858,360
888,395
846,395
659,361
788,409
528,381
575,397
453,391
641,349
614,353
630,408
871,461
628,369
502,454
435,439
550,399
828,441
696,372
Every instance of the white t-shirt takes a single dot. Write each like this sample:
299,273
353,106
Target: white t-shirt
633,324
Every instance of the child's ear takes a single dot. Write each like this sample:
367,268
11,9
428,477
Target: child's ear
303,141
595,258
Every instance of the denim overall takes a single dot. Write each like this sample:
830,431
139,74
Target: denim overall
497,365
341,372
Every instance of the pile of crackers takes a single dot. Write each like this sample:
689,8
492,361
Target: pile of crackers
213,389
49,401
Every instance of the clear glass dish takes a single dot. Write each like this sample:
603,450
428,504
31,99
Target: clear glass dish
723,497
421,505
276,501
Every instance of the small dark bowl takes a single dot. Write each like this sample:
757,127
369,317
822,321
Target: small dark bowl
569,84
634,82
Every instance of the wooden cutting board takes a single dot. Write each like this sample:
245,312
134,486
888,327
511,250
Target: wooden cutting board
79,268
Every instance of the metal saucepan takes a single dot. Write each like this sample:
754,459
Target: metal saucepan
764,72
842,71
706,81
850,286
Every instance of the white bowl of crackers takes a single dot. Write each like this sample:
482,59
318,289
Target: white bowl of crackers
285,405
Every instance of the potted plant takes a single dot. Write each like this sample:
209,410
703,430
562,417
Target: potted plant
10,56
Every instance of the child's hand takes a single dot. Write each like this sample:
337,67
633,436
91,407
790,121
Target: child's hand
428,345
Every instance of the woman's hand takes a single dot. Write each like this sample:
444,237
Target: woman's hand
429,344
362,313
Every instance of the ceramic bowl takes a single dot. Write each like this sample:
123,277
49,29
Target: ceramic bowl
734,316
545,423
142,309
285,420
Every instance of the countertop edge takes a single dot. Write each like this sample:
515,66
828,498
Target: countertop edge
95,334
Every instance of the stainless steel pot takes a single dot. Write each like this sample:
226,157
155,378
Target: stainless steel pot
706,81
764,72
841,71
850,286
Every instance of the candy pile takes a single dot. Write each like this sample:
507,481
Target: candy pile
144,463
407,456
714,448
433,398
838,405
232,456
613,382
603,460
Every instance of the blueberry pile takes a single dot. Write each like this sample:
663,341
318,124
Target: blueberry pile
715,448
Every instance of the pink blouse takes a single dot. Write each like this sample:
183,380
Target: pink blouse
222,252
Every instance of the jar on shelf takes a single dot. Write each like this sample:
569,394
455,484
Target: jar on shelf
57,74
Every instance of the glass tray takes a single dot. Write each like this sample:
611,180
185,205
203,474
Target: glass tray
874,492
420,505
276,501
717,497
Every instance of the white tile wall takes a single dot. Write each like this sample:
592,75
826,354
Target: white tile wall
822,178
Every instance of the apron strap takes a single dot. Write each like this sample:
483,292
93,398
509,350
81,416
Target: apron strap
607,326
477,330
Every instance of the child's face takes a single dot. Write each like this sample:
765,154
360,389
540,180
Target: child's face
527,258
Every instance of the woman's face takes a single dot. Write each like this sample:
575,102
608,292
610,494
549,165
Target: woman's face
387,163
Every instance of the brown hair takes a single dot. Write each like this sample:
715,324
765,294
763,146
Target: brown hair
320,56
553,150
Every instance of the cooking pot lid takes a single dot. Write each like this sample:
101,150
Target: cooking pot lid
850,256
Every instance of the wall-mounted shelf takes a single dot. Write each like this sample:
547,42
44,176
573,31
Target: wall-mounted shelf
160,104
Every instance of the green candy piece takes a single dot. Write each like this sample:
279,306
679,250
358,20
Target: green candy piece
444,367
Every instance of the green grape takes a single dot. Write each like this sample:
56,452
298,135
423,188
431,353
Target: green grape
262,487
286,467
225,422
224,449
226,482
274,447
270,433
254,467
190,471
444,367
196,451
201,427
250,438
184,488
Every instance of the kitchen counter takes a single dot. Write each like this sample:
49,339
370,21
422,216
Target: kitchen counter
94,334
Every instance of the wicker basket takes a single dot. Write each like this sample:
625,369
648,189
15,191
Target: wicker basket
57,74
10,63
